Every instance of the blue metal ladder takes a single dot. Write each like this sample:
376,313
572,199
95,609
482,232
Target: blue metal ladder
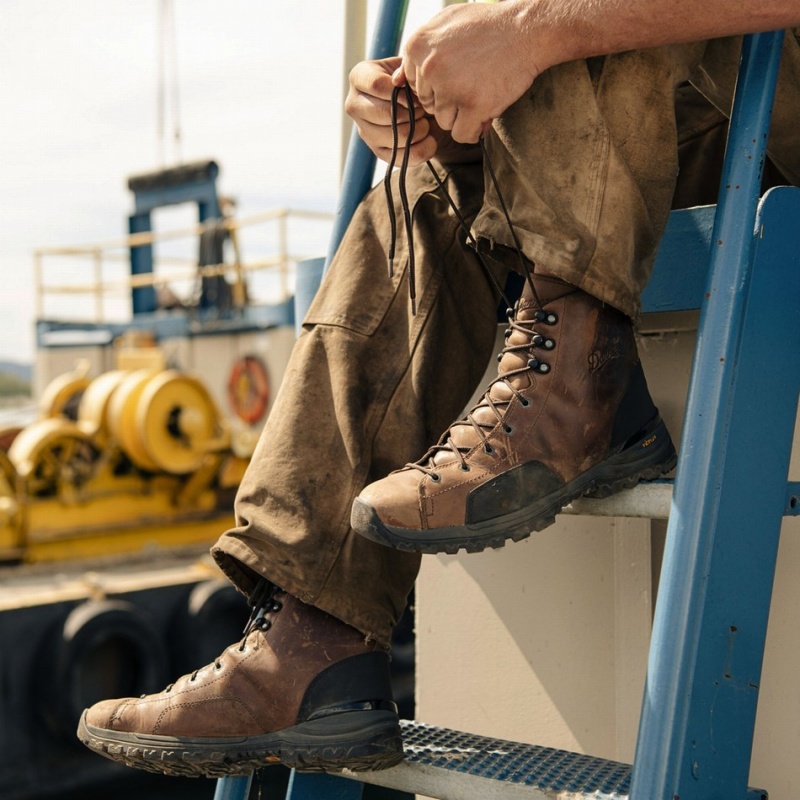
729,498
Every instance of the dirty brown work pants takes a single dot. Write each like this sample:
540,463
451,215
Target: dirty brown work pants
587,163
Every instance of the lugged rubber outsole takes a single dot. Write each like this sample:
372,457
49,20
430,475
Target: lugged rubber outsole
645,460
359,741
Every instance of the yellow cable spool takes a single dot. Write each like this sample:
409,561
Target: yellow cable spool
53,456
177,423
93,411
61,396
122,413
164,421
10,508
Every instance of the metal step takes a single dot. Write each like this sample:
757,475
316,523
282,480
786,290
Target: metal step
651,499
452,765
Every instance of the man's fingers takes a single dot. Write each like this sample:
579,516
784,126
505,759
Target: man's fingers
376,110
406,73
375,78
379,137
467,127
418,154
446,116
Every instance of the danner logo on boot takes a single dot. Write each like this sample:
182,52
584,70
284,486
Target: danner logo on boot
606,347
598,358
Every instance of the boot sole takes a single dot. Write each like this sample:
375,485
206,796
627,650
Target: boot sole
647,459
360,741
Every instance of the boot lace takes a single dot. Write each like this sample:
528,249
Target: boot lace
262,602
532,339
526,270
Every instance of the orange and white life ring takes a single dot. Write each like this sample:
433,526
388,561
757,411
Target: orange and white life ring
248,389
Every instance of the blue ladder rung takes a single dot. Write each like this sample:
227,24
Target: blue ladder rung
680,274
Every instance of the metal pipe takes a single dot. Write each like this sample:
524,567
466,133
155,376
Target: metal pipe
355,38
360,164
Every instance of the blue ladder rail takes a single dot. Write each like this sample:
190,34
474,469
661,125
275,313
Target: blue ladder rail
704,669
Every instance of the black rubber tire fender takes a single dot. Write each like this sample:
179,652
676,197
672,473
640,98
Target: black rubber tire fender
106,649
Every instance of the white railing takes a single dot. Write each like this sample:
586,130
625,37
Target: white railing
96,283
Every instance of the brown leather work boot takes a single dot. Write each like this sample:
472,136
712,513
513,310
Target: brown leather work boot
568,414
302,689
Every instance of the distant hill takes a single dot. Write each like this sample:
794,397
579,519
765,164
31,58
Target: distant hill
15,379
22,371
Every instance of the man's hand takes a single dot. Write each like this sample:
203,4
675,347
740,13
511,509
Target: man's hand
467,65
369,103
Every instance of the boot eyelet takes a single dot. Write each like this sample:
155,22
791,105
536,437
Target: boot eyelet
217,666
533,363
435,477
465,467
488,449
265,625
539,340
508,430
524,402
549,344
544,368
551,319
276,605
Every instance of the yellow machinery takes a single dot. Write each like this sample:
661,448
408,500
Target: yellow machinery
135,458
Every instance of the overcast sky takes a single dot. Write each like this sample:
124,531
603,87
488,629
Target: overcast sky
260,87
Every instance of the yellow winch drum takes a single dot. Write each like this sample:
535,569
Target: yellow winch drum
165,421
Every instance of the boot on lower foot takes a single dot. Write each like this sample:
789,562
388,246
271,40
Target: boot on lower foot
302,689
569,414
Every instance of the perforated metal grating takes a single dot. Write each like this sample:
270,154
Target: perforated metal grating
548,769
453,765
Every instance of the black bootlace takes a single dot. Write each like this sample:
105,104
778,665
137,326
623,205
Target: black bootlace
387,185
533,338
525,269
262,602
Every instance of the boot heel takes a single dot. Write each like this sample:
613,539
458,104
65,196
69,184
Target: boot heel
359,741
648,458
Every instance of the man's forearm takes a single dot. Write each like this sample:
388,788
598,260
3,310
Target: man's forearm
471,61
564,30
